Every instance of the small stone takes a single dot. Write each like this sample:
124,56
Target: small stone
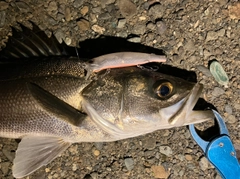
151,26
127,8
234,11
203,163
52,6
231,119
5,167
188,157
74,167
121,23
67,14
2,18
22,6
68,41
99,145
78,3
104,16
161,27
98,29
157,11
135,39
83,25
59,35
84,10
7,152
149,143
139,29
107,2
47,170
159,171
129,163
166,150
217,92
3,5
96,152
212,35
94,175
218,73
228,109
237,106
204,70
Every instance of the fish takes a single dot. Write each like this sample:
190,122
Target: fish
48,103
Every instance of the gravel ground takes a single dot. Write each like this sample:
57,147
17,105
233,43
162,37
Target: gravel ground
191,33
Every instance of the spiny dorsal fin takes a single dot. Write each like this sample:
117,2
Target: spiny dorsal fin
32,43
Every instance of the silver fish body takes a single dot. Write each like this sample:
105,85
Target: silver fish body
50,104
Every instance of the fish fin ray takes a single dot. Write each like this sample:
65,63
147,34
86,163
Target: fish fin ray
34,152
32,43
56,106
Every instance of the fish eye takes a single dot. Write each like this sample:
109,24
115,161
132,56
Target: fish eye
164,90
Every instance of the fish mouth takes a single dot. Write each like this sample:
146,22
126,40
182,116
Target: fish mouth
185,114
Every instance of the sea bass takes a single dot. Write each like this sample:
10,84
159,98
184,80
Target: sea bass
50,105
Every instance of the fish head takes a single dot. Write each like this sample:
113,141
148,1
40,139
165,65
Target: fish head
131,102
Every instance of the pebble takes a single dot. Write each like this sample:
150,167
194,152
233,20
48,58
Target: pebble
217,92
52,6
5,167
159,171
237,106
231,119
228,108
134,39
127,8
149,143
78,3
68,41
84,10
161,27
212,35
139,29
156,11
188,157
74,167
2,18
96,152
203,163
104,16
204,70
7,152
67,14
3,5
83,25
98,29
166,150
59,35
22,6
234,11
107,2
218,73
151,26
129,163
94,175
121,23
99,145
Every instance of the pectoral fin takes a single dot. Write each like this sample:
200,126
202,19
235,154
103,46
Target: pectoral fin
34,152
54,105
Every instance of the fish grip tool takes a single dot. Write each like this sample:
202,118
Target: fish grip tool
219,150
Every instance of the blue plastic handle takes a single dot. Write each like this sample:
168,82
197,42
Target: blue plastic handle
222,155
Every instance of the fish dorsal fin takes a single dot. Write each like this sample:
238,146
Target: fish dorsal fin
34,152
32,43
54,105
